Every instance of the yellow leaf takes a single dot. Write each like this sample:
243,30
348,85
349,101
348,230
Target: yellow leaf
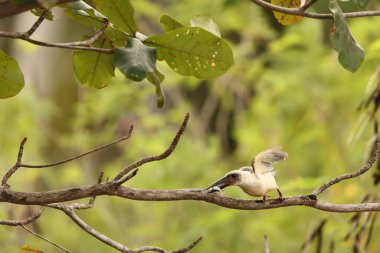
28,249
287,19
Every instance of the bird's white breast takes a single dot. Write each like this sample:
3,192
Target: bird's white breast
258,185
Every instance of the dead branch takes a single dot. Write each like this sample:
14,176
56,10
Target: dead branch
28,220
301,11
78,45
118,178
55,199
45,239
360,171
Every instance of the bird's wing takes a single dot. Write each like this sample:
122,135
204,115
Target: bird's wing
264,160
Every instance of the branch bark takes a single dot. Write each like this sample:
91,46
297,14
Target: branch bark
10,8
301,11
55,199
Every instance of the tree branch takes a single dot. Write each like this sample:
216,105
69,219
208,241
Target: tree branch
165,154
362,170
10,8
31,219
81,155
17,164
45,239
301,11
69,210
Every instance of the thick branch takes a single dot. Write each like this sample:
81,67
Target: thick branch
360,171
109,188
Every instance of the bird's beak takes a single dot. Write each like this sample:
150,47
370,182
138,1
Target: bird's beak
220,184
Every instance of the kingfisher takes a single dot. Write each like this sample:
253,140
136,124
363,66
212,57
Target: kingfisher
256,180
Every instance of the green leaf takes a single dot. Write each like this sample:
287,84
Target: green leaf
135,60
192,51
38,12
351,55
92,68
11,77
120,13
205,22
361,3
85,14
155,79
169,23
117,37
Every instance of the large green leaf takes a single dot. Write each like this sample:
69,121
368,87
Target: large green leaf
84,14
169,23
205,22
351,55
135,60
119,12
192,51
92,68
361,3
11,77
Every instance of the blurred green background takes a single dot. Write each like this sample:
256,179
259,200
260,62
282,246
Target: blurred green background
286,88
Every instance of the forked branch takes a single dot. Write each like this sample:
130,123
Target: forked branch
55,199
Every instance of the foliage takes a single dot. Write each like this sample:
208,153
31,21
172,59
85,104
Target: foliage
116,18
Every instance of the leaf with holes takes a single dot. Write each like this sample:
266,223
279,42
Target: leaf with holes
92,68
119,12
169,23
205,22
286,19
351,55
11,77
135,60
192,51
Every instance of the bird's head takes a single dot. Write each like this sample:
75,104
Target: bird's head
231,178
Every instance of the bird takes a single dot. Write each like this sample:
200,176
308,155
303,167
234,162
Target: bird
256,180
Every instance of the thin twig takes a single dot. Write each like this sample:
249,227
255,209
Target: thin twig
308,4
68,45
317,233
300,11
128,177
46,240
34,27
17,164
80,155
162,156
83,225
192,245
28,220
266,244
360,171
